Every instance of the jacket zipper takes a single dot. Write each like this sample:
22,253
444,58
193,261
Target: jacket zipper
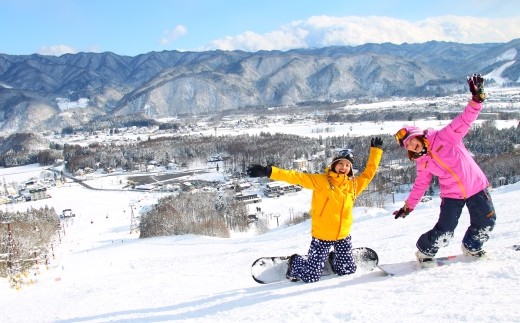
459,182
340,217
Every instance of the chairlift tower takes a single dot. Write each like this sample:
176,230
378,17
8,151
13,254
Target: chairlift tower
133,220
11,251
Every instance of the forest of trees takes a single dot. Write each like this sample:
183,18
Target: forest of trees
203,213
25,238
495,150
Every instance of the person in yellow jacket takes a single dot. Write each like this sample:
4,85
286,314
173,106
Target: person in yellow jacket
333,197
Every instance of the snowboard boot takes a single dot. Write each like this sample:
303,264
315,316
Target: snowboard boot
477,254
290,264
424,259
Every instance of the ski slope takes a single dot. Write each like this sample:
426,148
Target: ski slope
103,273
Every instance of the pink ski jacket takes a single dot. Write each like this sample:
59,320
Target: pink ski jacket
447,158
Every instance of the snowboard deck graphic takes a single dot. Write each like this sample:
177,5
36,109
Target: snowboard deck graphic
266,270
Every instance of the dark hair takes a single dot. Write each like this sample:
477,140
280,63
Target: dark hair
412,155
337,158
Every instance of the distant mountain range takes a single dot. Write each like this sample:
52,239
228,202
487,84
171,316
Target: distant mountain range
39,93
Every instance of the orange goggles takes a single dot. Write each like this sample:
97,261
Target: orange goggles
400,136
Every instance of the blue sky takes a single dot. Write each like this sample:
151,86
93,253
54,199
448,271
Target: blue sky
133,27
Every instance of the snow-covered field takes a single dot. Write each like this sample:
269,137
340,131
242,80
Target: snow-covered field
104,273
499,99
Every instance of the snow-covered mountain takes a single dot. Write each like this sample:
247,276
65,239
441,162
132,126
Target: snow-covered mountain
171,83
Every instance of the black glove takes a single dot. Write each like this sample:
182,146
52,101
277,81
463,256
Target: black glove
476,87
402,213
376,142
258,171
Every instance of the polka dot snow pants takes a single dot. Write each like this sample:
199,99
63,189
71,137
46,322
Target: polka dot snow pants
309,270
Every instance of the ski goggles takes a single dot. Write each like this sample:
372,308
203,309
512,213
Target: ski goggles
401,135
345,153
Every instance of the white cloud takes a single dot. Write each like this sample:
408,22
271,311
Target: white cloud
171,35
56,50
321,31
251,41
473,30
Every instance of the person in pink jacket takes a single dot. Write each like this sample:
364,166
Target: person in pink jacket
462,183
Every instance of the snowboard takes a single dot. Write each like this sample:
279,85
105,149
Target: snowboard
266,270
407,267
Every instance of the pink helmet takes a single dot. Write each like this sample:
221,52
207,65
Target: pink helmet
404,135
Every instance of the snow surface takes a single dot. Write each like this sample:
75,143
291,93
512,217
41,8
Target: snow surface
496,73
103,273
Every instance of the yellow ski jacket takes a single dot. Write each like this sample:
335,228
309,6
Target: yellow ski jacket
333,196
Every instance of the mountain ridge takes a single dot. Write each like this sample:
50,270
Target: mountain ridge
172,83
